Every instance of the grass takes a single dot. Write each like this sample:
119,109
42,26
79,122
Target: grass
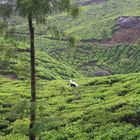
100,108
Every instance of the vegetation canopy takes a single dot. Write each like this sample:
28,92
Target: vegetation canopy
46,46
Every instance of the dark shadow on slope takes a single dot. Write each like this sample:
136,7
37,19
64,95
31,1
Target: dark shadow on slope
88,2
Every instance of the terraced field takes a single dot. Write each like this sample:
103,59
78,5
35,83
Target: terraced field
55,60
104,45
100,108
90,58
18,63
96,21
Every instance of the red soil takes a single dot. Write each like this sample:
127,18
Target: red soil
126,36
121,35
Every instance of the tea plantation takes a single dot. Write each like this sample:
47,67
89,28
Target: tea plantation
105,63
104,108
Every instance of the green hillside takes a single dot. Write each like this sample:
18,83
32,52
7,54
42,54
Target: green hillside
103,46
55,60
105,63
90,58
18,62
100,108
96,21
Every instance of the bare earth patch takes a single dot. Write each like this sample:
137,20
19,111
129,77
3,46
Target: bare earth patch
127,31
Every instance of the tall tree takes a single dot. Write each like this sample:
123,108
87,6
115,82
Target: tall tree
38,10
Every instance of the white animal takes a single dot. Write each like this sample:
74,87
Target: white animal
73,84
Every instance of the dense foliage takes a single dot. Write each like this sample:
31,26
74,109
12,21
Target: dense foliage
18,62
105,108
100,108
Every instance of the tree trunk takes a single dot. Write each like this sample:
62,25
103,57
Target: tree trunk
32,135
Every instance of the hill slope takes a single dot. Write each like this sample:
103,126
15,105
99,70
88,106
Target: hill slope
96,21
93,58
105,46
15,60
106,108
100,109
